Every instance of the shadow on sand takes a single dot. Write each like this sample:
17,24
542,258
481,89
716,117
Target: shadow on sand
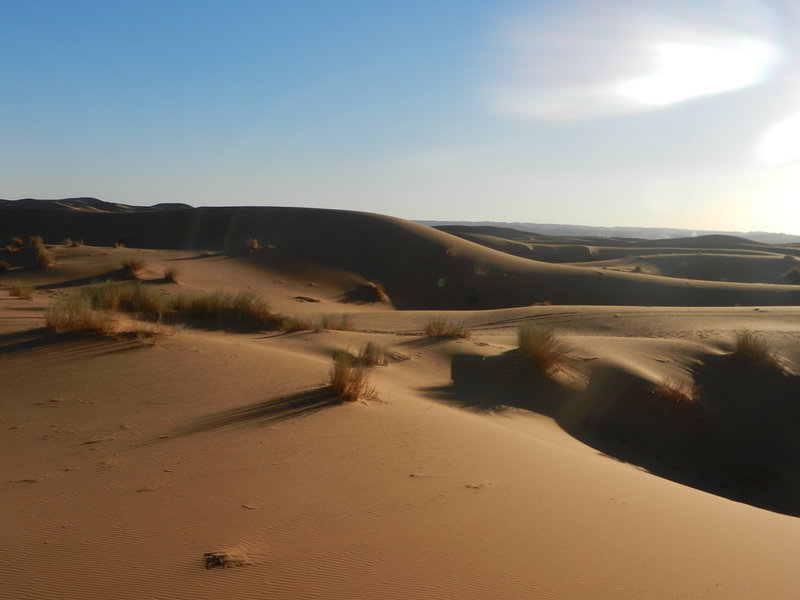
264,413
738,439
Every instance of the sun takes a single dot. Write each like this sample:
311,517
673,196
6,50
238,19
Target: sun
780,144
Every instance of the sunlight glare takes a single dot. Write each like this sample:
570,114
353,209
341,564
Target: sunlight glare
684,71
780,144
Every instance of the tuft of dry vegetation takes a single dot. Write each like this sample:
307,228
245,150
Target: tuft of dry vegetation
21,290
290,325
442,327
134,268
349,380
16,242
667,393
35,240
753,350
172,274
372,355
129,297
10,249
337,322
227,306
44,258
540,348
76,313
4,266
252,244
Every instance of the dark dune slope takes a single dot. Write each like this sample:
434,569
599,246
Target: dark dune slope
420,267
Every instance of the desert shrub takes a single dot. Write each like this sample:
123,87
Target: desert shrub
21,290
171,274
119,244
252,244
35,240
337,322
540,348
129,297
16,242
349,381
226,306
75,313
44,258
293,324
372,354
668,394
441,327
134,268
10,249
73,243
751,349
4,266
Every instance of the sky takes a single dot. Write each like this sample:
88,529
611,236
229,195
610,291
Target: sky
668,113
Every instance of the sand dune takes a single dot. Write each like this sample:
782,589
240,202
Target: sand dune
467,475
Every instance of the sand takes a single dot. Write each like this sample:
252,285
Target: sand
464,476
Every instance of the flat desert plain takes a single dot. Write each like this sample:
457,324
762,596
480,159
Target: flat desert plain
556,418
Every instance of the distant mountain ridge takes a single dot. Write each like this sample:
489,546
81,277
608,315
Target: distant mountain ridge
87,204
646,233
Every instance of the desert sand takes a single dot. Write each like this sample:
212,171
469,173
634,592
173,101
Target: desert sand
464,474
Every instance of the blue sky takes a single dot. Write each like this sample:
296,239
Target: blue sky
627,112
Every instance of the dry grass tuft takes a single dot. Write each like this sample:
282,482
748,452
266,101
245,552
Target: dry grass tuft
35,240
172,274
76,243
751,349
337,322
441,327
129,297
372,355
290,325
44,258
668,393
252,244
16,242
4,266
21,290
10,249
349,380
227,306
76,314
540,348
134,268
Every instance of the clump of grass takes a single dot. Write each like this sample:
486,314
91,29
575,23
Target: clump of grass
337,322
667,393
73,243
751,349
44,258
252,244
540,348
442,327
134,268
119,244
349,381
290,325
129,297
171,274
372,354
10,249
75,313
226,306
35,240
21,290
16,242
4,266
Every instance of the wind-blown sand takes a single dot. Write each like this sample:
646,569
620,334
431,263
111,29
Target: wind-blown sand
467,477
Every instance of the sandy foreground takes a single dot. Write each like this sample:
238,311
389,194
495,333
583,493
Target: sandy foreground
126,460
